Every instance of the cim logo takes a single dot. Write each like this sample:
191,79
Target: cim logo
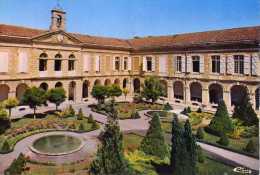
242,170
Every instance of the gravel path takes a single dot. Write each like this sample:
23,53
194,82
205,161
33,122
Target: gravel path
91,142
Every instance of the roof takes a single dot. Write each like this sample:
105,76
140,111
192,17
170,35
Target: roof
235,35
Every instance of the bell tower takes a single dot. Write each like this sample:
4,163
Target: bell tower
58,20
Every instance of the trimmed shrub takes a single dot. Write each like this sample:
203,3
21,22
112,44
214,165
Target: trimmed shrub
81,127
137,98
199,110
80,115
167,107
91,119
186,110
94,125
200,133
17,166
6,146
221,122
250,147
223,140
72,111
135,115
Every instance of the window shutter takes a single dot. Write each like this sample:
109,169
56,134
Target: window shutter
247,64
144,64
189,64
129,60
222,64
97,63
113,62
174,63
254,70
4,62
23,62
162,63
183,64
230,64
201,64
153,63
86,64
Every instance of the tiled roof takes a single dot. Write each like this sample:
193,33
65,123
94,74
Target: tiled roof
180,40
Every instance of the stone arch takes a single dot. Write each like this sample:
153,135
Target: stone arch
44,86
58,85
165,87
257,98
85,89
107,82
20,89
43,55
4,91
137,85
117,81
237,93
178,90
196,92
215,93
72,90
125,82
97,82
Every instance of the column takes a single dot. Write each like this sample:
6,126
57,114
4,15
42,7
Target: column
205,97
170,91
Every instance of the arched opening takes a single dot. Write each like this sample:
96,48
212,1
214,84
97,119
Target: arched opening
4,91
71,63
85,87
117,82
125,81
196,92
107,82
58,85
43,62
44,86
257,99
238,92
72,90
178,90
164,87
57,62
97,82
137,85
215,93
20,89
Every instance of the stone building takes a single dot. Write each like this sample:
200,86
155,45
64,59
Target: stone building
197,69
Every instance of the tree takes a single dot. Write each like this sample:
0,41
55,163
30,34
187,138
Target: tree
110,157
17,166
4,120
56,96
6,146
167,107
80,115
245,112
114,91
184,149
34,97
99,92
81,127
221,122
223,140
200,133
125,92
152,89
9,104
154,142
250,147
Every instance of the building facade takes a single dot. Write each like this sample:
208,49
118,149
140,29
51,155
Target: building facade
196,69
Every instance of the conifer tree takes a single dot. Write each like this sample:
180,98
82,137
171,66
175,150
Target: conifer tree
110,158
245,112
154,142
17,166
221,122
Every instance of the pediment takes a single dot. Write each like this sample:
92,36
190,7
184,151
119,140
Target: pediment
57,37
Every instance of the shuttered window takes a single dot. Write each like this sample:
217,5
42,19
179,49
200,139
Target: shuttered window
195,63
239,64
179,64
149,63
4,62
23,62
215,60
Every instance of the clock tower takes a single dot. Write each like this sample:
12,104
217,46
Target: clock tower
58,21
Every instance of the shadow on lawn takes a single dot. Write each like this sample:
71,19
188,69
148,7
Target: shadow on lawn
162,168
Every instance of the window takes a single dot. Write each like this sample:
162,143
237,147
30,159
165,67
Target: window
215,63
57,65
42,65
178,64
117,63
71,63
59,20
125,63
149,63
239,64
43,62
196,63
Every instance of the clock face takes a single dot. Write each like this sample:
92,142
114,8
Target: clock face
60,38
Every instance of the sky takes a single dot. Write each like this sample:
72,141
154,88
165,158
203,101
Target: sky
129,18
